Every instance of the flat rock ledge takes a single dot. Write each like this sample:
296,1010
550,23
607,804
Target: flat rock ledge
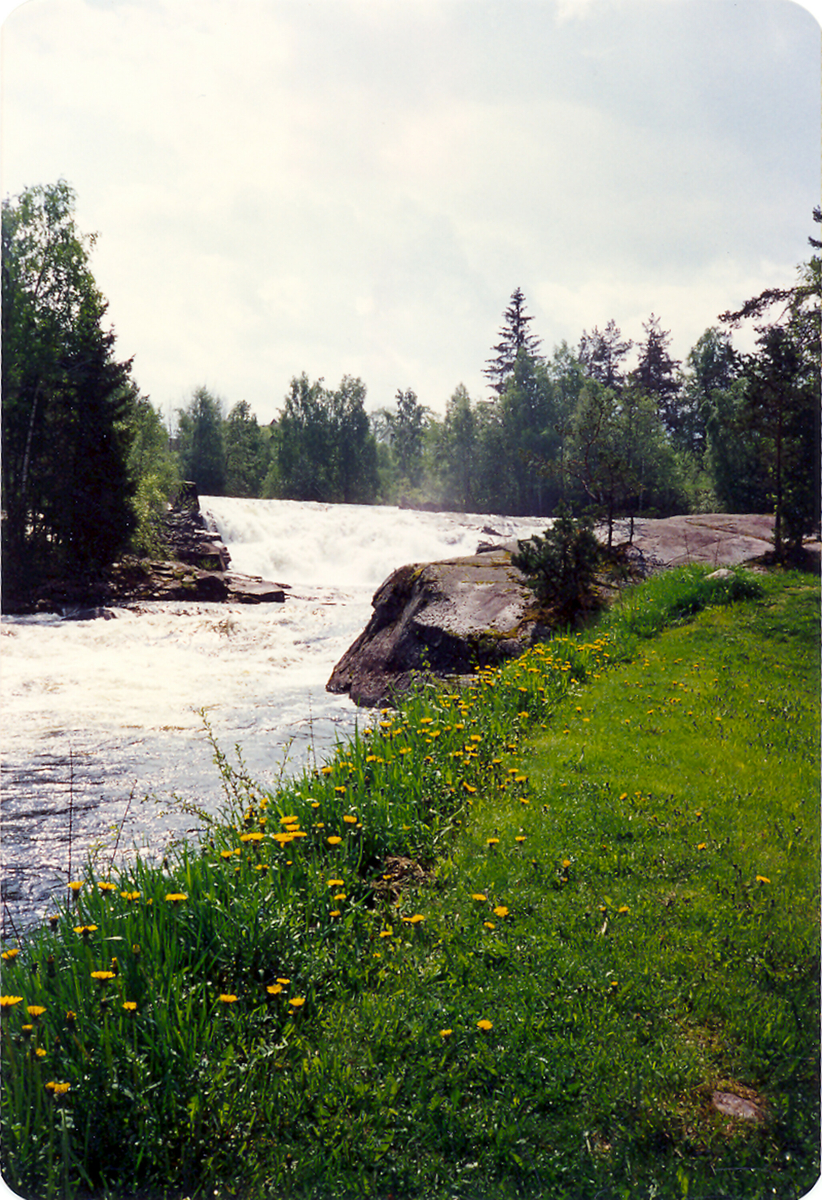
445,619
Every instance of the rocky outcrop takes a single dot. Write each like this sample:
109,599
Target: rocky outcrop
189,539
442,619
446,618
195,569
718,539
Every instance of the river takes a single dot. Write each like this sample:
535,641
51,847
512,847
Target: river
104,740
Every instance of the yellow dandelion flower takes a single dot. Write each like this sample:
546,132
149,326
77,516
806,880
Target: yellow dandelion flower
762,879
387,933
9,1001
130,895
335,912
59,1089
623,908
176,897
284,982
228,998
10,955
274,989
334,840
491,842
489,925
500,911
415,920
349,820
130,1006
297,1001
335,882
446,1033
106,887
102,976
485,1025
85,930
479,897
520,838
702,846
40,1052
35,1010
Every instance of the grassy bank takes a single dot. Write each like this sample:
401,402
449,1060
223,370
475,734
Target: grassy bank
523,940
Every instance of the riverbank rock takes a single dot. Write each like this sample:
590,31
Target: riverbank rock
443,618
196,569
446,618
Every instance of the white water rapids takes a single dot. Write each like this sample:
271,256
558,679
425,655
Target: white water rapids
101,719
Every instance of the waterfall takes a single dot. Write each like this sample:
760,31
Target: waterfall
346,545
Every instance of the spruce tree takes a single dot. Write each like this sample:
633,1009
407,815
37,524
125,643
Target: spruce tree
514,337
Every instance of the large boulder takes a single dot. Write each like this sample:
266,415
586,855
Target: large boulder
441,619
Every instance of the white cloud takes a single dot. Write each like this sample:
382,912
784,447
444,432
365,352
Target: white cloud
358,185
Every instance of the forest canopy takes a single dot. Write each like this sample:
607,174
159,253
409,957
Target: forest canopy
609,427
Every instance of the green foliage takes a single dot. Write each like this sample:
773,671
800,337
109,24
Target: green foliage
619,918
246,452
325,448
515,339
407,432
201,442
656,374
673,596
457,451
155,470
66,487
562,564
779,408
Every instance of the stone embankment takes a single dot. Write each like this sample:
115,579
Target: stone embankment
446,618
195,567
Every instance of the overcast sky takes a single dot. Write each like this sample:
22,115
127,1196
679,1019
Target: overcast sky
357,186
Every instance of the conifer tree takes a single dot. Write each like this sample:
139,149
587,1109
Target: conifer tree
66,399
514,337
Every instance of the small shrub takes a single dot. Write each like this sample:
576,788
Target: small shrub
561,566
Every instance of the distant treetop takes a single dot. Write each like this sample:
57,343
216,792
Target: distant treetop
514,337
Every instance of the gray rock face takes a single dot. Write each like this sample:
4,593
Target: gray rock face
447,618
443,618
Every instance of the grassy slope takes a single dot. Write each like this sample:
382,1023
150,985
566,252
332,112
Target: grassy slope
651,851
660,941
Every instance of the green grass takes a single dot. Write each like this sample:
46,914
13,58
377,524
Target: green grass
620,833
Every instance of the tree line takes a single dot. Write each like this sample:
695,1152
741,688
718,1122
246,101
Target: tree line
607,426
